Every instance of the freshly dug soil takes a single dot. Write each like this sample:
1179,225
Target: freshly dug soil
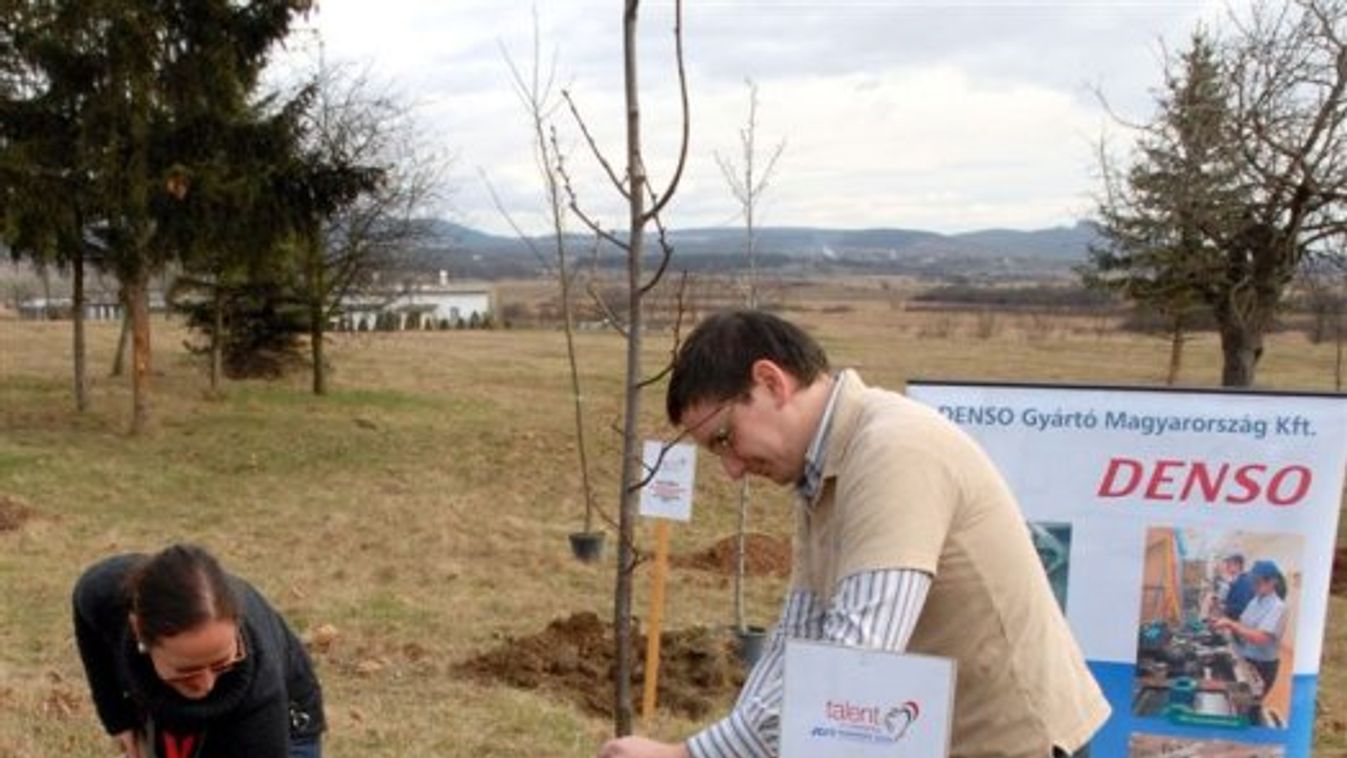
574,656
764,555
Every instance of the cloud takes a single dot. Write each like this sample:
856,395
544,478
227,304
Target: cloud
940,115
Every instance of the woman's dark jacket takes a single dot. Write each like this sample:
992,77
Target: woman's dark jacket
255,709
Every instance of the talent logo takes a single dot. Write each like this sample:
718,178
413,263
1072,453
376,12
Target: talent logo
878,724
900,718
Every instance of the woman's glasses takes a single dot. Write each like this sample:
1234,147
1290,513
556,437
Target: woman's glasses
219,667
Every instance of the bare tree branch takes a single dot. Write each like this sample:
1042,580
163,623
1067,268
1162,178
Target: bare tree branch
666,251
602,304
594,147
509,219
745,188
667,195
574,205
677,333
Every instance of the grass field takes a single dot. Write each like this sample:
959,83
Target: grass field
422,508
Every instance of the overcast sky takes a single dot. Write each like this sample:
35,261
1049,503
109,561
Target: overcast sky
946,116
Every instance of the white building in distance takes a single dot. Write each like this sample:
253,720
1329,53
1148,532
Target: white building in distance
444,305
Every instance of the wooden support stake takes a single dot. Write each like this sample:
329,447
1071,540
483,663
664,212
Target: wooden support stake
656,620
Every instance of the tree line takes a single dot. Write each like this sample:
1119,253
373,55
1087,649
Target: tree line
1237,183
137,137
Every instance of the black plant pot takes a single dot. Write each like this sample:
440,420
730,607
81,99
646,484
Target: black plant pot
750,643
587,547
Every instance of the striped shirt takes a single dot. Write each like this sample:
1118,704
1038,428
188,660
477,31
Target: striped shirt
812,476
871,609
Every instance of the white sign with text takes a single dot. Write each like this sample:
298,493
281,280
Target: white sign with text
668,494
1135,499
846,702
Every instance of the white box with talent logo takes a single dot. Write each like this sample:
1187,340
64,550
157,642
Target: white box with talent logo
845,702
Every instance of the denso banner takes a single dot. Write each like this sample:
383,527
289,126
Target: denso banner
1188,537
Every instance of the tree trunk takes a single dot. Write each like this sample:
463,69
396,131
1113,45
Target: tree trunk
568,319
1175,349
137,296
1319,311
77,314
1241,347
1337,341
752,255
1243,318
46,293
631,449
740,557
567,311
217,337
1258,263
119,357
317,300
316,345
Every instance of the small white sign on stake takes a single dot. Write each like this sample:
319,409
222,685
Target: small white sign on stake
668,494
847,702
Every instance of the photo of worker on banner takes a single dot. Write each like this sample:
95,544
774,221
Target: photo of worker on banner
1052,542
1216,633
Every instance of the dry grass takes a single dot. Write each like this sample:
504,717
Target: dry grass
422,508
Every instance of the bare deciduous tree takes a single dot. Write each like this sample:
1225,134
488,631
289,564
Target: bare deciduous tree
1289,78
1227,226
539,100
356,123
129,89
747,184
1323,283
635,188
1152,215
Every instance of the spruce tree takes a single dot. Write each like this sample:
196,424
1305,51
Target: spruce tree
1159,220
152,92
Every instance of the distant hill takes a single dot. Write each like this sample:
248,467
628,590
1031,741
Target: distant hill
991,253
1066,243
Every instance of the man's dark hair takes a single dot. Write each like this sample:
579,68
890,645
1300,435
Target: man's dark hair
179,589
715,363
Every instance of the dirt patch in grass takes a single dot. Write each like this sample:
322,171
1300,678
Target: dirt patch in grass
14,513
1338,583
574,658
764,555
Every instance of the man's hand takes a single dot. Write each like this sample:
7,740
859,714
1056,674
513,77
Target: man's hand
640,747
129,742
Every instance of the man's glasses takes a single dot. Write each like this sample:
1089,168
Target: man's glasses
721,440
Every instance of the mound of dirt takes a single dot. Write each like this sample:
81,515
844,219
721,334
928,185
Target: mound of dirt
13,513
574,658
1338,583
764,555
